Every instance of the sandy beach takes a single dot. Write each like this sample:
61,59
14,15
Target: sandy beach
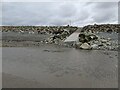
27,62
52,66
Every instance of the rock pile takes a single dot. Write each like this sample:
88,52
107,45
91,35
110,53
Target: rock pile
57,33
102,28
89,40
38,29
59,37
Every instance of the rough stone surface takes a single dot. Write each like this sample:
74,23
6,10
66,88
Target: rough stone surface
85,46
88,36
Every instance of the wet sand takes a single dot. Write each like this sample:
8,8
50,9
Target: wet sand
59,67
27,63
0,80
12,81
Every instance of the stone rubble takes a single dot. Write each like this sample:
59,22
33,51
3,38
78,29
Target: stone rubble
88,38
92,41
39,29
102,28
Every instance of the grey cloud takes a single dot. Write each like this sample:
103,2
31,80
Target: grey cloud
119,12
103,18
58,22
106,4
25,13
67,10
104,12
58,13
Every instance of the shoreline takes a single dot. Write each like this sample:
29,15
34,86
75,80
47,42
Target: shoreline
37,45
96,37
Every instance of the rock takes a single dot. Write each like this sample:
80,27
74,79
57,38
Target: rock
103,40
88,38
77,45
100,45
81,35
108,43
57,41
84,38
94,46
108,39
102,28
109,30
94,37
41,41
85,46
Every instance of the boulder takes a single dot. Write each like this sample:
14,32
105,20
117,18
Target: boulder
84,38
94,46
77,44
104,41
85,46
109,30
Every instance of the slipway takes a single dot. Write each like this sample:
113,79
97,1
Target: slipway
73,37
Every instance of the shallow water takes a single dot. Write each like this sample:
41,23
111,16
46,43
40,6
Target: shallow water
61,67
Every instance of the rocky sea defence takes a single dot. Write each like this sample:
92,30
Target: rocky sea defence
91,37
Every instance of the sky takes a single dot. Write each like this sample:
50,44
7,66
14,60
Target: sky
59,13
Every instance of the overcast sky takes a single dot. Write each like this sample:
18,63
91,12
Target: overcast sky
59,13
